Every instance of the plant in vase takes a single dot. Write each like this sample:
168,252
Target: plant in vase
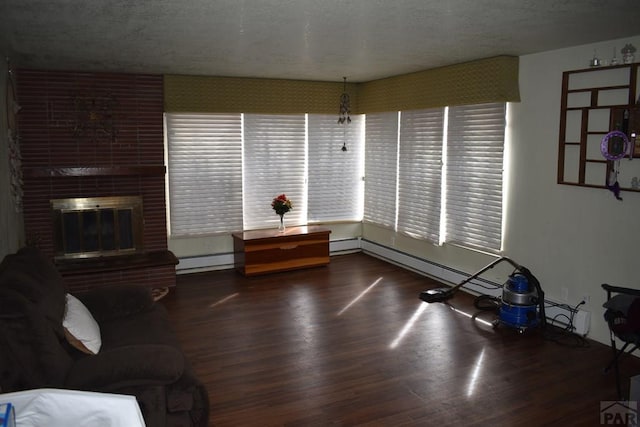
627,53
281,205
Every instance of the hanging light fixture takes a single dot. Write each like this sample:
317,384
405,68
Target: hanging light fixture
345,113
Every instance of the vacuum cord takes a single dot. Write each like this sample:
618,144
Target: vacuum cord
487,303
561,336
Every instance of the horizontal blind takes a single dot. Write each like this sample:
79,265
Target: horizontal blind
205,173
381,155
336,188
475,152
275,162
420,173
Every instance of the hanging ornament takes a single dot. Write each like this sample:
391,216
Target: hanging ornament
345,105
614,146
345,111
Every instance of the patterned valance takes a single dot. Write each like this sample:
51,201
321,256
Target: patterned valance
477,82
487,80
199,94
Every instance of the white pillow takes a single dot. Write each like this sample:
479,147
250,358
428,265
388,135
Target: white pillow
80,328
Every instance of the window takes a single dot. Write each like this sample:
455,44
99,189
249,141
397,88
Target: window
205,173
405,174
336,188
381,166
420,173
475,152
225,169
275,162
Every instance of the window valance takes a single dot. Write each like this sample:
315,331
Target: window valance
487,80
202,94
478,82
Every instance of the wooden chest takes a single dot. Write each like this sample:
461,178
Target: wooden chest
266,251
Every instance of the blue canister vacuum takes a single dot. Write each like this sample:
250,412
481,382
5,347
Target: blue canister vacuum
521,305
521,302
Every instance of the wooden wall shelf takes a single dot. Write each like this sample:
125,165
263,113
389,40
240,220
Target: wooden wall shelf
593,103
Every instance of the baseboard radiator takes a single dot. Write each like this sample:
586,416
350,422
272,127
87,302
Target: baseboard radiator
557,313
224,261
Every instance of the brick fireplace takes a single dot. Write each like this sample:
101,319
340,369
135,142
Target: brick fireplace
95,136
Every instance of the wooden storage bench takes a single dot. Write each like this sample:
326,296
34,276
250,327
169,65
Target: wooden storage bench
267,251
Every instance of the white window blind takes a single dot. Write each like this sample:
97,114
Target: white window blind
336,188
275,162
420,173
381,157
205,173
474,176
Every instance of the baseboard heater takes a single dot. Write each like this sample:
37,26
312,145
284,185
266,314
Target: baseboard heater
557,313
224,261
198,264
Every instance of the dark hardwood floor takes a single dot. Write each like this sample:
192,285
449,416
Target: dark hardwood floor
352,344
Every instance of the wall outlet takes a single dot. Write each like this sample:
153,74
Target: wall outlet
564,293
586,298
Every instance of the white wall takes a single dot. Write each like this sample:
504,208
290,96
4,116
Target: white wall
570,237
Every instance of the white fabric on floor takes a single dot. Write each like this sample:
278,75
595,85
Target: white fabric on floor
64,408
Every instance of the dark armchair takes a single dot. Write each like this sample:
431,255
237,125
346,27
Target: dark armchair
139,354
623,317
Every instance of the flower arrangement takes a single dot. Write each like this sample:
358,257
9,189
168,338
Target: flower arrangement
628,48
627,53
281,204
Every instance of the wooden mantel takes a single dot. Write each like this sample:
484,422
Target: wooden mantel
135,170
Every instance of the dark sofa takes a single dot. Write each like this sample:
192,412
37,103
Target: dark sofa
139,355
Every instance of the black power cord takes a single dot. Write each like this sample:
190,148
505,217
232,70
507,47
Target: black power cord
562,336
566,336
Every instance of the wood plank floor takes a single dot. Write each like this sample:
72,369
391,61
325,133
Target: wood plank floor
351,344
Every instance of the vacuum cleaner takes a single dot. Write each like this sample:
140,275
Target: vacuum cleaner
521,305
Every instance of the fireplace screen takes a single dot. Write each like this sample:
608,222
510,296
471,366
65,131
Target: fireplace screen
99,226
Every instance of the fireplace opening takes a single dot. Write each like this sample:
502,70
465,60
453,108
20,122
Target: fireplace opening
98,226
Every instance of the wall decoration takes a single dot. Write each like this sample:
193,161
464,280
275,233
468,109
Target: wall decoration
15,159
599,122
94,116
88,116
614,145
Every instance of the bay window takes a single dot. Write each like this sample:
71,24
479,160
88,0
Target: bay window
432,174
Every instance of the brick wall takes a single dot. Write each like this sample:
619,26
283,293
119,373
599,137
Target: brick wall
93,135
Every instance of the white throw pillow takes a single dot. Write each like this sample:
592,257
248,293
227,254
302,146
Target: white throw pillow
80,328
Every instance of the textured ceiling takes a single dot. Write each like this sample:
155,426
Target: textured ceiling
298,39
